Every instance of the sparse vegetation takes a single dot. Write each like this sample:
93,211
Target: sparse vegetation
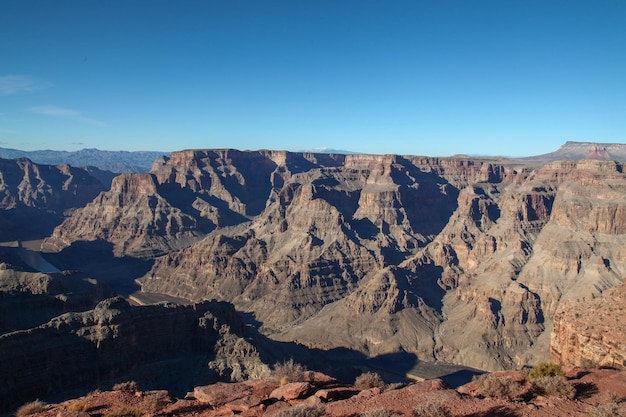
78,406
124,412
369,380
494,386
379,412
554,386
543,369
32,407
128,386
155,401
289,371
303,411
610,409
431,409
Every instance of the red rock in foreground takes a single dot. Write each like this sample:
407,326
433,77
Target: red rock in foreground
597,388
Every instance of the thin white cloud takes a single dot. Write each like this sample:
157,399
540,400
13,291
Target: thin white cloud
70,114
16,84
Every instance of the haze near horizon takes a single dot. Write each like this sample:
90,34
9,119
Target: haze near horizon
431,78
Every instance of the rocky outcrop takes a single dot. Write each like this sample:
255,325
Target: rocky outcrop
108,342
29,299
591,333
599,392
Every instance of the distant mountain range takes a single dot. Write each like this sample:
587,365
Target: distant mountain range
141,161
114,161
575,151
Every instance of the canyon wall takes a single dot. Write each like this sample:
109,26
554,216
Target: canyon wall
463,260
84,350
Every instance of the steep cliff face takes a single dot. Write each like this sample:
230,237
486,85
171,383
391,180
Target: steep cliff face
185,196
322,233
34,197
459,260
85,349
592,332
28,299
134,216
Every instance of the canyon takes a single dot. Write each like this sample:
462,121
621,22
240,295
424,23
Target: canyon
476,261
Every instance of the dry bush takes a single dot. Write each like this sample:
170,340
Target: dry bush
611,409
494,386
303,411
124,412
128,386
431,409
289,371
32,407
379,412
545,369
553,386
369,380
78,406
155,401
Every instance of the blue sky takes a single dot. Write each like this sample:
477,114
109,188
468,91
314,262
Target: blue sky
432,77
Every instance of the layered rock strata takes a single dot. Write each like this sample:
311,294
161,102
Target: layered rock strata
108,342
453,259
591,333
34,198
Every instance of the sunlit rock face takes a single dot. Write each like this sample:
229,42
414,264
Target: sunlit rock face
454,259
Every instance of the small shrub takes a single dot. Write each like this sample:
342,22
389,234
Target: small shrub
493,386
610,409
78,406
155,401
431,409
545,369
303,411
124,412
369,380
379,412
128,386
289,371
553,386
32,407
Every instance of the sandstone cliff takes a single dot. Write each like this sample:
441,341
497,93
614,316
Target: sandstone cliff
591,333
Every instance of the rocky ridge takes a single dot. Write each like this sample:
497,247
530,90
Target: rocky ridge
453,259
34,198
597,391
152,344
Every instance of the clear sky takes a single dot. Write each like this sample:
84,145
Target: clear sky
432,77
